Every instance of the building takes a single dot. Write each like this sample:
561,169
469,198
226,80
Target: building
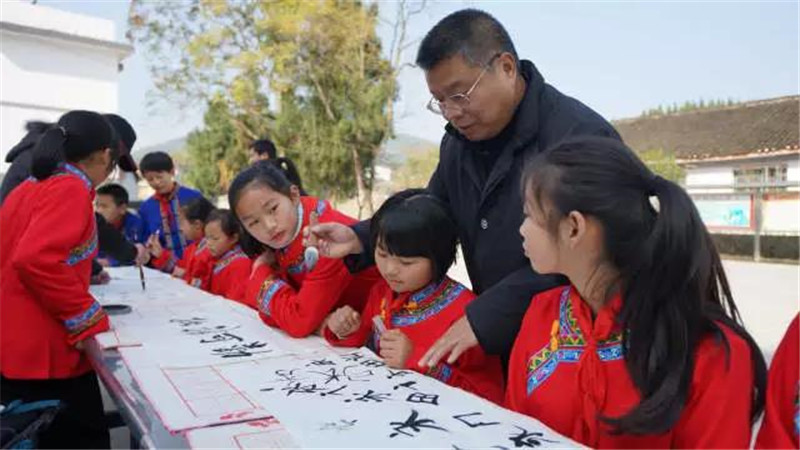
742,162
53,61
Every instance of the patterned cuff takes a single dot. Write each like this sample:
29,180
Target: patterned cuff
82,251
79,324
441,372
267,292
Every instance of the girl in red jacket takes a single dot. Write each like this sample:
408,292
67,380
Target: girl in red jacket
644,348
781,425
229,267
191,221
289,292
415,243
48,242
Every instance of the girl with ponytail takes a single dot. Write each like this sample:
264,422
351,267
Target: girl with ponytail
645,348
48,241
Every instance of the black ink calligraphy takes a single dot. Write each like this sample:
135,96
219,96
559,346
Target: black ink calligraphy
413,423
527,439
419,397
463,419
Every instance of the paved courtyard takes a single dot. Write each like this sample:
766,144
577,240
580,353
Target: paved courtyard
767,296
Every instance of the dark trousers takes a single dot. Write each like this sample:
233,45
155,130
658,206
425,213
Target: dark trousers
80,424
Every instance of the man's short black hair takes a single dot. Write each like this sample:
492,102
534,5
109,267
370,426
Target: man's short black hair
263,146
475,35
156,162
117,192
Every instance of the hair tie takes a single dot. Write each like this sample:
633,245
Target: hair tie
652,192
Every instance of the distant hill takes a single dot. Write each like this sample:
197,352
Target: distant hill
393,155
396,151
171,147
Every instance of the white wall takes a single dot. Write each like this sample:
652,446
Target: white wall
42,17
781,214
709,175
793,169
43,77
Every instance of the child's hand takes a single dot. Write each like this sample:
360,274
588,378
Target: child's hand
104,262
101,278
154,245
178,272
344,321
395,348
266,258
142,255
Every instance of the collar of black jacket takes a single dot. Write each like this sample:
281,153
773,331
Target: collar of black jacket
524,125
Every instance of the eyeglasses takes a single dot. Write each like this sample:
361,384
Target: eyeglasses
458,101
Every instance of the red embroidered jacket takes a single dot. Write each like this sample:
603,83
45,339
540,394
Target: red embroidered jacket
424,316
781,425
167,262
567,370
229,275
48,240
296,299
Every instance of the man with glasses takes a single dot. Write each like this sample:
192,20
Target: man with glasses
500,112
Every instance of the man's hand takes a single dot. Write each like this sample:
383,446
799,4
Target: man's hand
457,339
334,240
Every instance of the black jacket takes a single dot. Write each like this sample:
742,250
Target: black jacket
489,213
21,157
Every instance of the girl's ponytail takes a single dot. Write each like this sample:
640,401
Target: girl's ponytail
49,152
75,137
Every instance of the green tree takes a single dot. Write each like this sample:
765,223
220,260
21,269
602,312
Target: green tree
320,60
663,163
688,106
213,151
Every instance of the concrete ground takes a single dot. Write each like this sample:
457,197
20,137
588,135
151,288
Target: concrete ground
766,294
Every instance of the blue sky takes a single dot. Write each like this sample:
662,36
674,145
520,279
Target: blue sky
619,58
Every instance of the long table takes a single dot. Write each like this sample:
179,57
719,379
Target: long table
187,369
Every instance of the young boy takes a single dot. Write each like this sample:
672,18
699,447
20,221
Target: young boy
159,213
111,202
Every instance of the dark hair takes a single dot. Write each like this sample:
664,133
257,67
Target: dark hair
156,162
475,35
227,221
414,223
197,209
674,288
262,146
124,138
289,170
37,126
260,173
263,173
75,136
117,192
